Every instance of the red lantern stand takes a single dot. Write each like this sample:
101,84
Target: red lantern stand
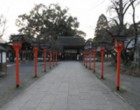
17,47
119,45
45,55
35,50
50,63
94,63
102,61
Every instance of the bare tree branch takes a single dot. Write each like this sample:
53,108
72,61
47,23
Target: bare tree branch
3,22
131,2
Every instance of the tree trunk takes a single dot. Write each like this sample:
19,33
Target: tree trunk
136,35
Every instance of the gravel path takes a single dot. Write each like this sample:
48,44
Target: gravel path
68,87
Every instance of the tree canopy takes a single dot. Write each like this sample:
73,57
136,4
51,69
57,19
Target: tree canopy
120,7
48,22
100,31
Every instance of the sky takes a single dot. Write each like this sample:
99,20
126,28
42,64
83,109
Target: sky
87,12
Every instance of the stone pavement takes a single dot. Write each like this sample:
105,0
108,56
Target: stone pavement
7,82
130,85
67,87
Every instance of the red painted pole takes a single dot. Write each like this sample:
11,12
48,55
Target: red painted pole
17,67
44,51
118,70
35,61
94,63
17,48
102,62
118,47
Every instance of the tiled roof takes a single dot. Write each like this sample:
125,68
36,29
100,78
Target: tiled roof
27,38
71,41
2,48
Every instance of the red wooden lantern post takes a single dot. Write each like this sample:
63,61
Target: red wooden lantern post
102,61
35,61
45,54
17,47
94,63
119,46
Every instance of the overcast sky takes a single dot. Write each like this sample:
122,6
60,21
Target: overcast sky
87,12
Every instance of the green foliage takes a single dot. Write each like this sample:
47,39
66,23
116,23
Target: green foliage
100,31
131,30
44,22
